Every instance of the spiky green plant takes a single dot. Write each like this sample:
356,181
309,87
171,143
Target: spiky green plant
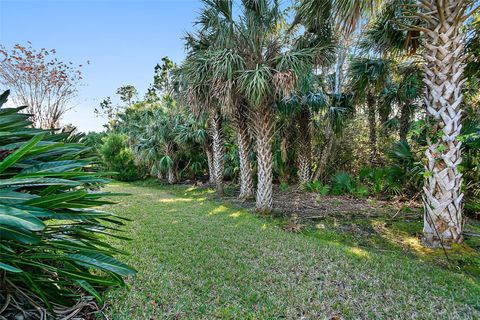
52,251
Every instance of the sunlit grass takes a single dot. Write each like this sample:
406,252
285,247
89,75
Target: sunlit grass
203,259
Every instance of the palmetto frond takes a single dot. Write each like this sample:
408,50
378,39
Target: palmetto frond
346,14
256,84
367,74
387,33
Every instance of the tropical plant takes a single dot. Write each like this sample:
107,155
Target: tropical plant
369,77
53,250
442,49
342,182
270,73
117,157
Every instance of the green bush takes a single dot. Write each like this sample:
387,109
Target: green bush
343,183
362,191
52,248
317,186
284,186
117,157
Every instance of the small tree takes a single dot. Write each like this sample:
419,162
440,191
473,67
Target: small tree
127,93
40,81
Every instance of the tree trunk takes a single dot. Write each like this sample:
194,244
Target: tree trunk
321,172
218,151
171,175
304,157
443,222
244,144
264,129
211,172
372,124
404,121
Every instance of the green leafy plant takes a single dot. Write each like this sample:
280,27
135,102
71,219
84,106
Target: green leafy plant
284,186
118,158
362,191
343,183
313,186
52,248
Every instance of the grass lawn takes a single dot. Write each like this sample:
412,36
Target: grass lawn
201,259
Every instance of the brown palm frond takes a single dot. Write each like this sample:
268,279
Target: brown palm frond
284,83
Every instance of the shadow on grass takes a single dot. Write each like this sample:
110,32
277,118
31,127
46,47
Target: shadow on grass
360,236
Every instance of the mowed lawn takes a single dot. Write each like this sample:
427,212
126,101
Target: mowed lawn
201,259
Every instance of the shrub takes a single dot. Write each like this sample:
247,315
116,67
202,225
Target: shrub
284,186
117,157
51,234
317,186
342,183
362,191
313,186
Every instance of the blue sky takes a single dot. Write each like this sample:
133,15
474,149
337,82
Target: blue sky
122,39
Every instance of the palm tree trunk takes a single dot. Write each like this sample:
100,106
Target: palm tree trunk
264,129
443,222
305,148
211,171
321,172
372,126
218,151
404,121
171,176
244,144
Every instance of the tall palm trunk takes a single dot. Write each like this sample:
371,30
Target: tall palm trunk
305,147
159,176
244,144
218,151
264,129
372,124
171,175
321,172
404,121
444,66
211,171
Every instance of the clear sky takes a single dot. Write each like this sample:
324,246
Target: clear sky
122,39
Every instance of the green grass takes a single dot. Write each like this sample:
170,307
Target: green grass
201,259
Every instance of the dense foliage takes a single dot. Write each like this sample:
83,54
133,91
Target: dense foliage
52,248
315,102
118,158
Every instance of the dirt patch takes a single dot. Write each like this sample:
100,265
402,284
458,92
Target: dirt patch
311,205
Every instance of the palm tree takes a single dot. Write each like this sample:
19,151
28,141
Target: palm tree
217,20
369,77
210,69
196,78
440,23
338,108
404,93
193,131
305,102
157,146
269,72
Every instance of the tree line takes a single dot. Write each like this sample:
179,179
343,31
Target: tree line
308,95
